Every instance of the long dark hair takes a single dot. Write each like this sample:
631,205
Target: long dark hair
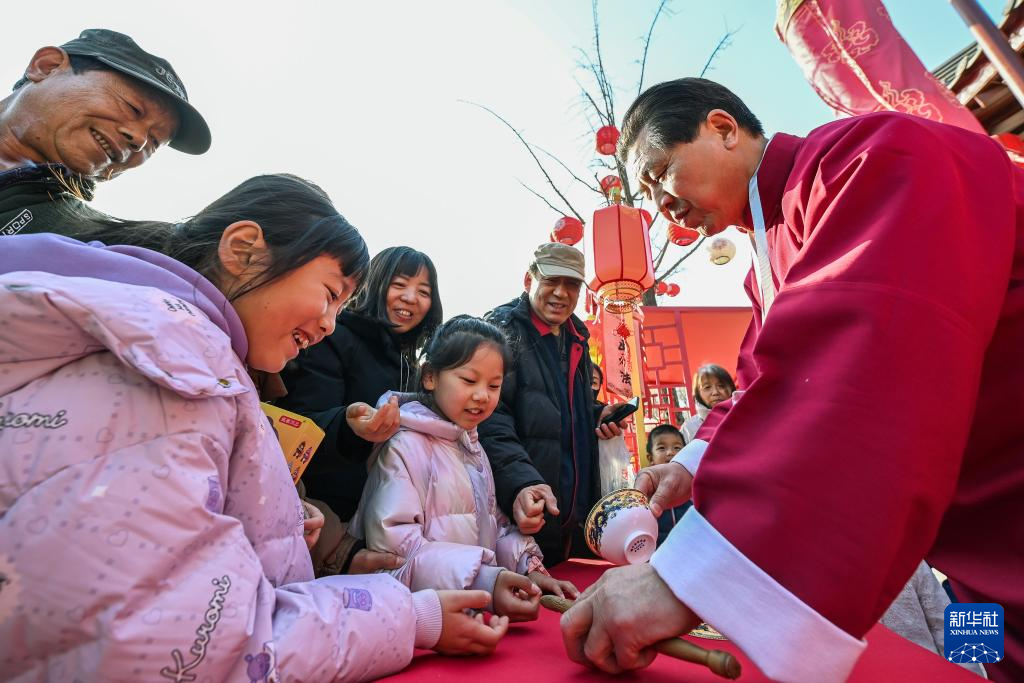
298,221
455,342
372,301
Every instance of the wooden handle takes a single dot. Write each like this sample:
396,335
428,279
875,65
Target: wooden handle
720,662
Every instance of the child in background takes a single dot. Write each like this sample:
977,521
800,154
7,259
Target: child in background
430,495
711,385
662,445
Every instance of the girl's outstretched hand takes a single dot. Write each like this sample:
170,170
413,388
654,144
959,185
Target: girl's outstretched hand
462,634
552,586
373,424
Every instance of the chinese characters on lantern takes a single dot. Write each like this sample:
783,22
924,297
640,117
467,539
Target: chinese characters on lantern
618,359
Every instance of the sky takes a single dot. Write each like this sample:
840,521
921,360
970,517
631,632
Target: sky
370,101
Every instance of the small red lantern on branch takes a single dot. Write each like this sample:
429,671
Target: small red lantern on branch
680,236
662,288
619,268
568,230
673,289
611,185
607,138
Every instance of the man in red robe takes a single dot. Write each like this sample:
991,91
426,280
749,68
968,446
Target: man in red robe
883,417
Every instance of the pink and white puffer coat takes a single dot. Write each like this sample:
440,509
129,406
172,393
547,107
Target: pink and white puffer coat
149,529
430,499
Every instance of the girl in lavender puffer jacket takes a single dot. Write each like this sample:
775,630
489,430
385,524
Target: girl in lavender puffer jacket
149,529
430,494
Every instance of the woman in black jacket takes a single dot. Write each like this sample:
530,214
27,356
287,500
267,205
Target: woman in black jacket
372,350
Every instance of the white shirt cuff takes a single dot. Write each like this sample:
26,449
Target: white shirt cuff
788,640
691,455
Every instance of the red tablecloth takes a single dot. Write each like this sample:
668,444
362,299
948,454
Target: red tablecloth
533,652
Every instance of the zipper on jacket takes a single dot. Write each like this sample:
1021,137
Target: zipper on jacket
572,424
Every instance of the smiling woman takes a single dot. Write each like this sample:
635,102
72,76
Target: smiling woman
372,351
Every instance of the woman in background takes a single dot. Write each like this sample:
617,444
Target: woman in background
373,350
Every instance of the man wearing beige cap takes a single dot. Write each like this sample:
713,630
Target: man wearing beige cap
542,439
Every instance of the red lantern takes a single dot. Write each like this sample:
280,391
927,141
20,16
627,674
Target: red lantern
680,236
661,288
610,181
607,138
611,185
568,230
673,289
620,267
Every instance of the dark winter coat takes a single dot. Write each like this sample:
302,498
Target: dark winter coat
37,199
359,362
523,438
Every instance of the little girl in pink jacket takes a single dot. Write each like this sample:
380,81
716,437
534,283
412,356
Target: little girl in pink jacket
149,528
430,494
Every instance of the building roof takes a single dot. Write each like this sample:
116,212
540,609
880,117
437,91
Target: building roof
978,85
950,70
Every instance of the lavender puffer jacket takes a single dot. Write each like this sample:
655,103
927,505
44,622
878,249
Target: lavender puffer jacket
430,499
149,529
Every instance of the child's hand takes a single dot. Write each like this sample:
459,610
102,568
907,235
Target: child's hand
462,634
373,424
516,597
370,561
552,586
312,524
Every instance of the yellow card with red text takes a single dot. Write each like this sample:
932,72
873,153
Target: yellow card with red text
298,435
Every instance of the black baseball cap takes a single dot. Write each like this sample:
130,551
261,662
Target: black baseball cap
122,54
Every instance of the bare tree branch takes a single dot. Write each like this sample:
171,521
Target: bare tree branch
541,197
568,170
675,266
661,255
586,94
600,73
627,192
529,149
595,71
647,45
723,44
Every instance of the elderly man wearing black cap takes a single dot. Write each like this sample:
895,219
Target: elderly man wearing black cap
542,439
85,112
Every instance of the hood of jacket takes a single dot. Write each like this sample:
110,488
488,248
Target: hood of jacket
64,299
415,416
